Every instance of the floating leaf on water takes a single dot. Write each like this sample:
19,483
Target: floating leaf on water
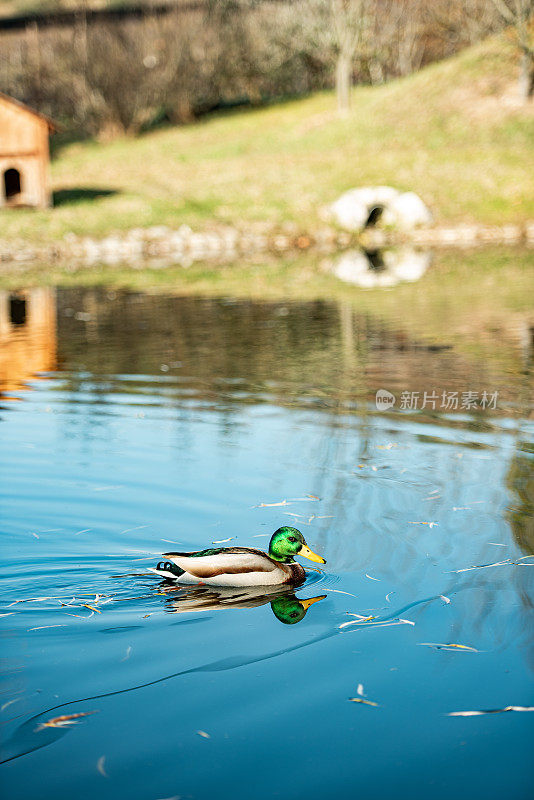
42,627
223,541
92,608
445,599
312,496
489,711
430,524
7,614
32,600
482,566
204,734
371,578
362,700
100,765
146,615
389,595
340,591
467,508
366,622
359,690
272,505
360,621
64,721
137,528
449,646
10,703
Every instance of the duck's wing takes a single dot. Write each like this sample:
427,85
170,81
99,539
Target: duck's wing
223,561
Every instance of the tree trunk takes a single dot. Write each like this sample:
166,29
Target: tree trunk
343,82
526,75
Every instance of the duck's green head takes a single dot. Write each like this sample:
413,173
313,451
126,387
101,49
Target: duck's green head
289,609
286,543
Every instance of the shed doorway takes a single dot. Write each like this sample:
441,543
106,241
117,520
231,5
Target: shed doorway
12,186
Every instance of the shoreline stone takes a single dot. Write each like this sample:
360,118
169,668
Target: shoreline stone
183,246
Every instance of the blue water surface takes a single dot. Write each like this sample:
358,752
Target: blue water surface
133,443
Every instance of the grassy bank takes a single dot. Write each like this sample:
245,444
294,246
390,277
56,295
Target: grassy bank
452,133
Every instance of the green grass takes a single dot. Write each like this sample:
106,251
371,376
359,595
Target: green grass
451,133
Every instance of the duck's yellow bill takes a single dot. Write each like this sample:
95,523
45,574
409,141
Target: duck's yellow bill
307,603
307,553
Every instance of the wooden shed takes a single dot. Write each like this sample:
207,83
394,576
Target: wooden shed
24,155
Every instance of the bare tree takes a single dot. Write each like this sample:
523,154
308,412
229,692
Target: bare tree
338,29
399,38
410,43
348,21
520,14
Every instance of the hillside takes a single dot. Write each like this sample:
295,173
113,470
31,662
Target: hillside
453,133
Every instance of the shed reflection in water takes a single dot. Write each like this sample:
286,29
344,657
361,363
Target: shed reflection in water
27,335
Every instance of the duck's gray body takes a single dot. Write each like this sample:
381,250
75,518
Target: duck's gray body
232,566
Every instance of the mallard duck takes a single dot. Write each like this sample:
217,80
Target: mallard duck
243,566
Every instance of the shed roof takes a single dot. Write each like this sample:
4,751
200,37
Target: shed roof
52,127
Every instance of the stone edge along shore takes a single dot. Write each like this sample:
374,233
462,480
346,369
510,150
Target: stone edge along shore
184,247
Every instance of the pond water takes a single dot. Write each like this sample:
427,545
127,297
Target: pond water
160,422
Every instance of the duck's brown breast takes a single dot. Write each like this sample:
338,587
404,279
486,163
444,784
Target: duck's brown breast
296,574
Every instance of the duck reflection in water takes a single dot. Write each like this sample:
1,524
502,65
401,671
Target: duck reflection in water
285,605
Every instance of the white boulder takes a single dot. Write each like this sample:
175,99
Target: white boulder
402,210
407,211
